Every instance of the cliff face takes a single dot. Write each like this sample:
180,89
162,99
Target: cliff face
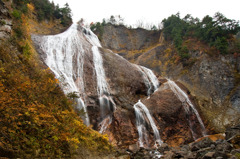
121,40
126,84
37,119
212,80
5,21
124,39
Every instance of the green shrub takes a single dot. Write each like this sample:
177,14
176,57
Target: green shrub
26,50
221,44
184,53
2,22
18,31
16,14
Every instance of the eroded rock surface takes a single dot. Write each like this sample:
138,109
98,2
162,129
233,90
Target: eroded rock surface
126,87
212,80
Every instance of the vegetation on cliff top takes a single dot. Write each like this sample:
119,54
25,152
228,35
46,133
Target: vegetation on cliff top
44,10
36,118
217,31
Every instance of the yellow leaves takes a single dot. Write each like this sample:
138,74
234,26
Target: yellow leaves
65,112
64,135
77,122
105,137
45,115
168,50
32,109
73,140
30,7
2,70
56,81
55,138
27,113
50,80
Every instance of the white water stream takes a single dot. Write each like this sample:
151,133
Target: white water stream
61,51
107,106
65,57
149,78
183,97
143,114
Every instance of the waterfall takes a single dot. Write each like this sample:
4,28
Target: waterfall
150,79
107,106
188,106
143,114
92,38
102,84
65,57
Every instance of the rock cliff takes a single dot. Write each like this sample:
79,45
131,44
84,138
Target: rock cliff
126,86
125,39
213,80
5,21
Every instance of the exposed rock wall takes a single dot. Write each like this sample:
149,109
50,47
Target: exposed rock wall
127,87
5,21
118,38
212,80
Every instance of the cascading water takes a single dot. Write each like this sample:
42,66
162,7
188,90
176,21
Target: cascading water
102,84
188,106
61,51
143,114
92,38
149,78
141,111
107,106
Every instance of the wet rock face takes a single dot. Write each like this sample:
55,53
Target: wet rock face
211,80
125,80
126,87
214,81
123,131
171,117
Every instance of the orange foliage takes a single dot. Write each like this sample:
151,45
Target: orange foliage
30,7
35,115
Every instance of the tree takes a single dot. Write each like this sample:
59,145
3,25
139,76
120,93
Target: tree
216,31
221,44
112,19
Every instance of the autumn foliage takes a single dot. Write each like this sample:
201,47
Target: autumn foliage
36,118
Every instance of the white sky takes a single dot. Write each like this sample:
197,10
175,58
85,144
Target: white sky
149,11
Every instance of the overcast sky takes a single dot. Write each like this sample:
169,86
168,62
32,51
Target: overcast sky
149,11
